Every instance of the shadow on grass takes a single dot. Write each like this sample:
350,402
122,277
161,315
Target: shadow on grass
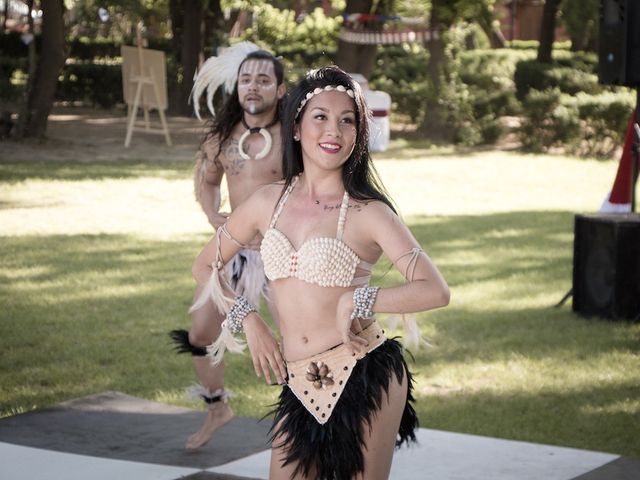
12,172
587,418
477,248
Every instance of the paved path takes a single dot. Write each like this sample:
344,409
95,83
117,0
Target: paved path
115,436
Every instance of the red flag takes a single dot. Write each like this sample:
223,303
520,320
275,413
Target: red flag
619,200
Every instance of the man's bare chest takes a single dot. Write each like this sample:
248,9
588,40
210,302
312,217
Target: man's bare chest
235,164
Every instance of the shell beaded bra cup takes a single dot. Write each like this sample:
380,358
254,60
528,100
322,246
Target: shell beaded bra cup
324,261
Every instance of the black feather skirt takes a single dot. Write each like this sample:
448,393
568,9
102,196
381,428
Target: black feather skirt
334,451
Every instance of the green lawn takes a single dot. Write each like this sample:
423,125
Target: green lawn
95,269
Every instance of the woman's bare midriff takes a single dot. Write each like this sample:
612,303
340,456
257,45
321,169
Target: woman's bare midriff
307,316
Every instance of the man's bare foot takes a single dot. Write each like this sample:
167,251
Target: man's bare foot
217,415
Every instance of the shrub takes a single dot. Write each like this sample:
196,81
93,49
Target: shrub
312,42
490,129
12,46
80,48
604,118
491,68
533,45
568,76
9,67
550,119
400,71
584,124
92,83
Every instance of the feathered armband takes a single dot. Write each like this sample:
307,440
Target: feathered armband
235,309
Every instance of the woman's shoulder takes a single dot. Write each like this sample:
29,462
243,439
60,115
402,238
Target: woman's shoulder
371,207
259,206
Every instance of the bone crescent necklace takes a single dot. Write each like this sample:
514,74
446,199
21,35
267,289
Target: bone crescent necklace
262,131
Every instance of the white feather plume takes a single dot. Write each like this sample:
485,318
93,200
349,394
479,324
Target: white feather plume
225,341
198,392
412,339
214,290
216,71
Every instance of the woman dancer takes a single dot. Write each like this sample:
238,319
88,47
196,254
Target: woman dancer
347,397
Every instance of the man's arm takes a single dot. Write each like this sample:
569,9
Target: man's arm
207,179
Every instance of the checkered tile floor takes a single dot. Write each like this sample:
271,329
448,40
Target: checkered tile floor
114,436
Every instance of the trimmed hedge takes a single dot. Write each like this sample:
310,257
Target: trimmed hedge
9,66
584,124
94,84
402,74
81,48
570,73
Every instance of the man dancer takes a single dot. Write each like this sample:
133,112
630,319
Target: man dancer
244,145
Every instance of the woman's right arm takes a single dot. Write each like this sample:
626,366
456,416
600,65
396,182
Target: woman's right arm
241,228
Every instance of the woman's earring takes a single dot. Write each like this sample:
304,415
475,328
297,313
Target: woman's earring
296,138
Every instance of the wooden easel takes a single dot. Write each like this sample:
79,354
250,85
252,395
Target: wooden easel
141,76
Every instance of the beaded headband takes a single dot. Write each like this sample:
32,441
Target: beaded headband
328,88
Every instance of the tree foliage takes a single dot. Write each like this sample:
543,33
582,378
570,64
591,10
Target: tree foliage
580,17
123,15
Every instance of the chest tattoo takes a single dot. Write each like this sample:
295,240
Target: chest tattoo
357,207
235,163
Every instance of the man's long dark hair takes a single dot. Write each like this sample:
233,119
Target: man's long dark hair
231,111
361,181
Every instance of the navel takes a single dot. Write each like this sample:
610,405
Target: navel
305,340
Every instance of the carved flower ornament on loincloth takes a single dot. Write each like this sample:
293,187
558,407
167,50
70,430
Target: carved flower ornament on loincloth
319,374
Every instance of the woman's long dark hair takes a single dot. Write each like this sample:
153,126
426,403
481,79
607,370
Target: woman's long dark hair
361,181
231,112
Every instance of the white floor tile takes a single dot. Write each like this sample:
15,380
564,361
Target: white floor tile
27,463
454,456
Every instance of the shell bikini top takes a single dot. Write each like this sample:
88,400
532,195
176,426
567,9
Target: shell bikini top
324,261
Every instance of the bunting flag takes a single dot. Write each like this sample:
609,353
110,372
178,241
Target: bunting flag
367,29
368,17
619,200
387,37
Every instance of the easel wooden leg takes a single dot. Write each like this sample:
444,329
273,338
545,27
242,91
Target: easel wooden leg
163,120
147,126
133,114
165,127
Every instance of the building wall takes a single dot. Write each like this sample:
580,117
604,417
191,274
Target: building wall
526,22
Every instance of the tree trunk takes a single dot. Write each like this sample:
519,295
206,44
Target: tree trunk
298,6
190,53
434,125
214,28
547,30
51,59
242,21
355,58
486,20
5,15
177,23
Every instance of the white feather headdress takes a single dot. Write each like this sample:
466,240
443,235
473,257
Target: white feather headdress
217,71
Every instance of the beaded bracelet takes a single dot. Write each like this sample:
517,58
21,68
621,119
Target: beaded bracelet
363,300
238,312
